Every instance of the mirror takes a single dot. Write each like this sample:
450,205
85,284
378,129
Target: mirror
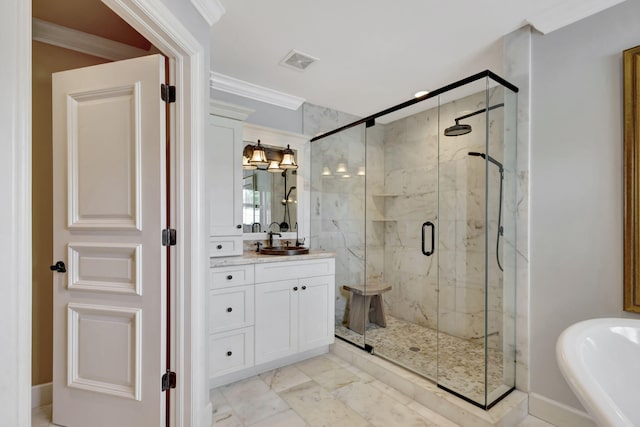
269,194
298,210
631,59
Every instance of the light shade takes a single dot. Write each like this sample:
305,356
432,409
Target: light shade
288,160
342,167
326,171
259,157
361,171
274,166
246,165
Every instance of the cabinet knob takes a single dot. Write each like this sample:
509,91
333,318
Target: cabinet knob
229,309
295,288
219,246
239,226
229,277
304,287
229,353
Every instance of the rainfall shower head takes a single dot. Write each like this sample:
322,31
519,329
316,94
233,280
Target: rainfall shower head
463,129
457,129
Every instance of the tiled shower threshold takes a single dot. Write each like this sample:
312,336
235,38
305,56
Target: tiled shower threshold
510,411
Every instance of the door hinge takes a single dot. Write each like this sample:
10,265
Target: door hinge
168,380
168,93
169,237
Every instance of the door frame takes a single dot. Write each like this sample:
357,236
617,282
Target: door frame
157,23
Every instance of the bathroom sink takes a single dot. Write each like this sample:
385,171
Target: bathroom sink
599,358
284,250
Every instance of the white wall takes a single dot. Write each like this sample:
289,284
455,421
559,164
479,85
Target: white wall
576,182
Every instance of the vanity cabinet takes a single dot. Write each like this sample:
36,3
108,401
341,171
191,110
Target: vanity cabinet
223,178
266,315
231,319
294,308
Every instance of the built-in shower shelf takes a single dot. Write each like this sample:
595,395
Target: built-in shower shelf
382,219
385,195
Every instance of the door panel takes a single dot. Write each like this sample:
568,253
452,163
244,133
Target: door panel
109,192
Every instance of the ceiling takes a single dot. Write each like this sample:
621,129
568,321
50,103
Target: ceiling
372,53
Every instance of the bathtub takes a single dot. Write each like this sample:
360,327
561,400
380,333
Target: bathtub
600,359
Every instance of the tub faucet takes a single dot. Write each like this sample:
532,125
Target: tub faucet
271,233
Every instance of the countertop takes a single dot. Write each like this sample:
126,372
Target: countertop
252,257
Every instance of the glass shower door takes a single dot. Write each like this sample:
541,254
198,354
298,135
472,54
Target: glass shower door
476,232
401,214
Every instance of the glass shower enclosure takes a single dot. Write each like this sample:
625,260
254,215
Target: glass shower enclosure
419,204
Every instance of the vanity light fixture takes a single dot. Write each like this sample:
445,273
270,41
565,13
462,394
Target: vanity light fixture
246,165
274,167
259,157
288,160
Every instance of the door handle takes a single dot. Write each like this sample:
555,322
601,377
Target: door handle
433,233
59,267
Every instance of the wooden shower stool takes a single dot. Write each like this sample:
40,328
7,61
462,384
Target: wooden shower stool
366,306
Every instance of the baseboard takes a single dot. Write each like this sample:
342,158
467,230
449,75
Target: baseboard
41,395
558,413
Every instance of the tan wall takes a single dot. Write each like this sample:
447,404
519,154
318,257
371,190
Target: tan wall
47,59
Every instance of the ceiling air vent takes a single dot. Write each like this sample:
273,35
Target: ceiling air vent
298,60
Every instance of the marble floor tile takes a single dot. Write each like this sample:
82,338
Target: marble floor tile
252,400
335,378
284,378
319,392
319,408
283,419
378,408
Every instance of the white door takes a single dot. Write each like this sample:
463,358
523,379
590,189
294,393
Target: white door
109,210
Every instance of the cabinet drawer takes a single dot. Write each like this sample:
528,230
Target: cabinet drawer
230,308
230,351
225,246
274,271
225,277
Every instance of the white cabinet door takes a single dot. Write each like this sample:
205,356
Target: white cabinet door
276,320
316,310
223,160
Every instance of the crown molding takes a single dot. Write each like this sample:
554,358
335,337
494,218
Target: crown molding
57,35
249,90
211,10
567,13
232,111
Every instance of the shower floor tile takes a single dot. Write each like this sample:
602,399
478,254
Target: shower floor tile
461,364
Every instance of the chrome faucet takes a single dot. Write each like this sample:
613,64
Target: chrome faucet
271,233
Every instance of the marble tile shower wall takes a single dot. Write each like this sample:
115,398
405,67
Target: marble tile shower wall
386,210
411,174
337,203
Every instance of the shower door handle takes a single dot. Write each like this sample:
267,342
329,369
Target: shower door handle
433,234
